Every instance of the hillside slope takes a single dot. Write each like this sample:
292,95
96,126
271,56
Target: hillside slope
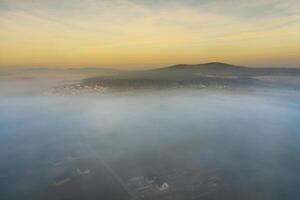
223,69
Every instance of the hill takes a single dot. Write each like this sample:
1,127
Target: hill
223,69
208,75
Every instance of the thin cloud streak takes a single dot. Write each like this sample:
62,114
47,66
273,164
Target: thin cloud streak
96,31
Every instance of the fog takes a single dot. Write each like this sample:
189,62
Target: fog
249,140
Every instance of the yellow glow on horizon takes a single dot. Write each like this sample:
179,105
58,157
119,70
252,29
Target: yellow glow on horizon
154,39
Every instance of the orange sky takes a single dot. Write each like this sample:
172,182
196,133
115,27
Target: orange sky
145,34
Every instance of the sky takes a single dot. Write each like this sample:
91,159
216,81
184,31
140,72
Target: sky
140,34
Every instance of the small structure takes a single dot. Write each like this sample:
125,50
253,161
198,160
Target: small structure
149,185
82,171
164,186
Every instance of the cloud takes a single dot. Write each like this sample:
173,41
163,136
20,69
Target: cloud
143,30
239,8
122,11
